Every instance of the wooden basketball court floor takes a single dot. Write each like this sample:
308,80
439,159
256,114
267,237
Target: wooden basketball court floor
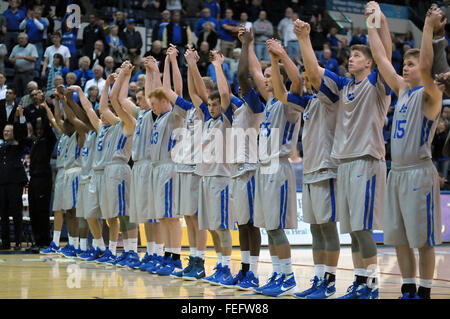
31,276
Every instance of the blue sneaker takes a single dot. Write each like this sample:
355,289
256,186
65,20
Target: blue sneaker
197,272
87,254
249,282
360,292
122,259
351,292
107,257
63,250
150,263
232,282
81,252
326,290
159,262
95,254
70,252
406,295
315,284
218,269
50,250
188,268
285,285
224,276
170,266
268,284
133,259
140,262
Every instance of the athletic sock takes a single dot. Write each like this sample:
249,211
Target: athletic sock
276,264
159,249
150,248
254,260
424,290
76,242
319,270
219,259
361,276
201,254
125,245
83,244
286,266
56,237
113,247
245,261
226,261
100,243
132,244
193,252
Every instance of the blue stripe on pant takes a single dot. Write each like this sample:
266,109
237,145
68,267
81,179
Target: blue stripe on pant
333,201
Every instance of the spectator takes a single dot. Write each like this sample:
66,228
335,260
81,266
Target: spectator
93,96
23,57
2,26
203,54
57,80
228,33
173,5
158,53
441,162
192,10
83,74
71,79
208,35
211,72
233,62
330,62
253,11
318,37
297,164
97,81
34,26
152,9
243,19
176,33
132,40
446,112
333,40
33,110
263,30
69,39
157,33
8,108
26,99
397,58
3,53
409,39
91,33
98,55
343,52
358,37
57,47
12,178
140,81
119,20
109,67
14,16
3,85
214,8
132,89
57,69
286,29
206,17
113,40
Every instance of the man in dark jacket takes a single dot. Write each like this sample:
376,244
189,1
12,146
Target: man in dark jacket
12,178
8,108
91,33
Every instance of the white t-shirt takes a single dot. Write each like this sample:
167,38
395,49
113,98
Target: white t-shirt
51,50
93,82
286,26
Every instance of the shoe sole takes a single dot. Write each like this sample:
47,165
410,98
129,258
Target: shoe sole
333,296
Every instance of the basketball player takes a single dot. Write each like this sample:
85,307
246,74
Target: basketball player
359,145
412,208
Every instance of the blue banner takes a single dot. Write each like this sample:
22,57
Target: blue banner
357,7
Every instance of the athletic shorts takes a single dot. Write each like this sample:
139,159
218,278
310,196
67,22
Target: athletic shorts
58,192
71,183
242,197
213,203
96,195
412,214
276,198
319,202
82,199
360,200
163,180
186,194
117,186
140,192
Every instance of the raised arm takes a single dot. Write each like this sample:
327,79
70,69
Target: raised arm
114,98
432,94
222,84
58,115
246,38
387,71
176,74
87,107
125,115
315,72
167,86
51,117
279,88
79,126
79,113
192,59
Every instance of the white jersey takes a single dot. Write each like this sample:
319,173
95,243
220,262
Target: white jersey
72,155
100,150
142,136
362,114
87,155
119,146
61,150
280,128
163,138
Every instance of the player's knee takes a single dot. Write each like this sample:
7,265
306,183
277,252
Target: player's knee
224,237
367,245
82,223
318,240
278,237
354,244
331,236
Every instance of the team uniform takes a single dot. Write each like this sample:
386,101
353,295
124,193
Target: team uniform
72,170
187,182
59,180
162,142
319,168
245,160
117,173
275,193
96,190
359,146
213,202
140,187
83,205
413,207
